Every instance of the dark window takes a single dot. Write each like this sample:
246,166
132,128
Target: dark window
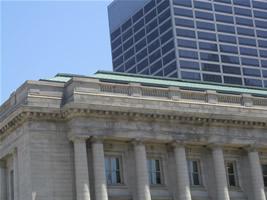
210,67
208,46
231,70
264,63
212,78
232,80
205,25
184,22
187,43
227,39
128,44
262,34
206,36
224,18
204,15
265,84
156,66
115,34
262,43
163,6
261,24
139,25
230,59
152,36
164,38
132,70
170,68
138,15
245,31
259,4
194,172
188,54
141,55
127,24
190,75
12,185
244,21
153,57
169,57
127,34
186,3
183,12
118,61
129,53
222,8
228,49
117,52
263,53
149,6
138,36
248,51
130,63
264,173
242,2
120,69
243,11
142,65
164,27
251,72
209,57
154,171
260,14
247,41
253,82
203,5
166,48
185,33
264,73
164,16
152,25
223,1
150,16
116,43
153,46
145,72
140,45
159,73
225,28
250,61
189,64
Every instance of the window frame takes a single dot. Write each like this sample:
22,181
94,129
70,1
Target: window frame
235,174
191,173
162,182
121,172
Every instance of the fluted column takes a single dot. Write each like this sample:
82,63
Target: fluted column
3,182
81,170
182,172
256,175
222,192
99,169
142,181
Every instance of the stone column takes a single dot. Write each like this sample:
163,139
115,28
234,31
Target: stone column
256,175
99,169
81,170
3,181
142,182
222,192
182,172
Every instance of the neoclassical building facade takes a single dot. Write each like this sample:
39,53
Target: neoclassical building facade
118,136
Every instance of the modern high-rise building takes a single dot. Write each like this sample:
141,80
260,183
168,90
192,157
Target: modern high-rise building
221,41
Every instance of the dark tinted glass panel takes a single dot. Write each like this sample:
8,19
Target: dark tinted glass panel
203,5
232,80
127,34
243,11
261,24
160,73
189,65
263,53
150,16
129,54
187,43
183,12
127,24
251,72
115,34
145,72
162,6
223,1
253,82
250,61
151,25
262,34
222,8
188,54
210,67
186,3
264,73
190,75
164,27
264,63
156,66
209,57
260,14
259,4
241,2
149,6
265,178
139,25
152,36
228,49
212,78
164,15
205,25
208,46
139,35
116,43
245,31
169,57
248,51
207,36
185,33
184,22
141,55
120,69
247,41
204,15
154,56
142,65
225,28
117,52
132,70
227,38
230,59
244,21
138,15
130,63
153,46
140,45
166,48
164,38
262,43
231,70
224,18
118,61
170,68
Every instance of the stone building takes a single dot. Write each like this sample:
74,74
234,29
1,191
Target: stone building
117,136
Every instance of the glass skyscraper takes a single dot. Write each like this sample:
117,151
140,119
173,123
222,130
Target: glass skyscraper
220,41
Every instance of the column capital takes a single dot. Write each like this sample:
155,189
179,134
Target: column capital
178,143
138,141
215,145
78,139
97,139
252,147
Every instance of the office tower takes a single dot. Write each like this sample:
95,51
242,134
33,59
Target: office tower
219,41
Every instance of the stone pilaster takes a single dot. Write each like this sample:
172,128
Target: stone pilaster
142,181
3,181
256,175
222,192
182,172
99,169
81,170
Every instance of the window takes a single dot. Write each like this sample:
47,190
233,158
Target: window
250,61
227,39
139,25
203,5
188,54
262,34
138,15
164,27
152,25
185,33
244,21
264,173
259,4
140,45
230,59
194,172
127,34
241,3
225,28
231,173
208,46
189,65
150,16
183,12
253,82
170,68
149,6
261,24
263,53
245,31
247,41
115,34
260,14
264,63
228,49
223,8
142,65
169,57
164,16
187,43
210,67
205,25
224,18
152,36
248,51
164,38
166,48
127,24
162,6
156,66
231,70
190,75
204,15
186,3
232,80
113,170
12,187
209,57
206,36
153,57
212,78
262,43
184,22
153,46
251,72
243,11
154,170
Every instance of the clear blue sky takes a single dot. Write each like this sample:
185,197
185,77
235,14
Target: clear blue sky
42,38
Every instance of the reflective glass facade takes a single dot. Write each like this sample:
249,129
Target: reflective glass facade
220,41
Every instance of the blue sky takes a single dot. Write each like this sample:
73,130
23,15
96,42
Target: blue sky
42,38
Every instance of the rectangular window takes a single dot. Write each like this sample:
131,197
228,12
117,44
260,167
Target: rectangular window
194,172
264,173
212,78
183,12
12,191
204,15
113,170
154,171
231,173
